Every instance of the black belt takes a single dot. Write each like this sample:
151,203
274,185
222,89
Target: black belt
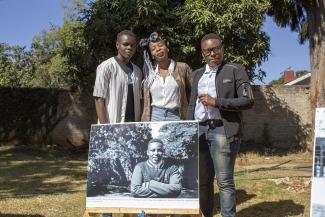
212,123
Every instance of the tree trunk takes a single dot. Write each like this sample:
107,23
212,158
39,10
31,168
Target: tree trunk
317,53
316,27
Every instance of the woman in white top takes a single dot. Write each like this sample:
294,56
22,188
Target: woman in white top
167,83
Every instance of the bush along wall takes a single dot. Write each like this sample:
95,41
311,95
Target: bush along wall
28,115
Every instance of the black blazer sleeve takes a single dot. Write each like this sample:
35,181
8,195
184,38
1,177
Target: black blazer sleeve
243,97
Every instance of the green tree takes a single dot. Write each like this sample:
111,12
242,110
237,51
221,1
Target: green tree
308,18
60,56
278,81
300,73
55,59
16,67
105,18
48,61
7,76
66,56
182,23
239,25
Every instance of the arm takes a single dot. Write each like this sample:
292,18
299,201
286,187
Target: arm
244,100
101,110
188,81
146,104
191,105
171,189
139,188
101,89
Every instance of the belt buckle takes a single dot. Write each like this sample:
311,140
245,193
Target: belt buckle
211,124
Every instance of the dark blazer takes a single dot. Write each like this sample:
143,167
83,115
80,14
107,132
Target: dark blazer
234,94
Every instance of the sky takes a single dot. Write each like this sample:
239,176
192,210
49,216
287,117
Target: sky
21,20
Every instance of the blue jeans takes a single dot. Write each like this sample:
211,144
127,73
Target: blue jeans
217,158
162,114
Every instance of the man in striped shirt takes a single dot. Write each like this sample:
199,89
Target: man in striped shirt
117,89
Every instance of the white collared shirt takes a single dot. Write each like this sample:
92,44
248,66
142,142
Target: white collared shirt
207,85
165,92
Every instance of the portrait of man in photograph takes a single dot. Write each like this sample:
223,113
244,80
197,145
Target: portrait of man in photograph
155,177
146,165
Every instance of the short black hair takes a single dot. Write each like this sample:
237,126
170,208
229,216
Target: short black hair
210,36
125,32
155,140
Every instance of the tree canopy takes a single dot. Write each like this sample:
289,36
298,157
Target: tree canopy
182,24
308,18
15,66
66,56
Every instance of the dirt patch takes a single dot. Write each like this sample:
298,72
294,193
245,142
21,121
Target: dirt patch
293,185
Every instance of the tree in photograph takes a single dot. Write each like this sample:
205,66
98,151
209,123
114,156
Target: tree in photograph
116,150
179,139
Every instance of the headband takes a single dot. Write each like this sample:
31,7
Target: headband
148,68
154,37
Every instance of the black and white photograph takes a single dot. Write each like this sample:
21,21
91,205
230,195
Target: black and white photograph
143,165
318,181
319,159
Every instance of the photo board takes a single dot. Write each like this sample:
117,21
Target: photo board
318,179
149,165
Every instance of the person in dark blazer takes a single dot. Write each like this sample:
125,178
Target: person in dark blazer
220,91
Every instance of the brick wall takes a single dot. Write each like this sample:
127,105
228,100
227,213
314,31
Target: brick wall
281,116
45,116
73,130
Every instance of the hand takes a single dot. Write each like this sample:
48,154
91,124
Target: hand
206,100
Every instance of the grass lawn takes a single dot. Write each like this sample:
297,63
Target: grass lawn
47,183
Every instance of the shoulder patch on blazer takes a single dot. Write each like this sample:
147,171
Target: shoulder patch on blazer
227,80
247,91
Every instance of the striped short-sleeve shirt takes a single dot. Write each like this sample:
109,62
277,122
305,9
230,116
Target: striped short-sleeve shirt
112,85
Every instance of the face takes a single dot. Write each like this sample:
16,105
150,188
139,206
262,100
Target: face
126,46
155,152
212,52
158,50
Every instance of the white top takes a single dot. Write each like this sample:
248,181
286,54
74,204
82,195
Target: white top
165,92
207,85
112,85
